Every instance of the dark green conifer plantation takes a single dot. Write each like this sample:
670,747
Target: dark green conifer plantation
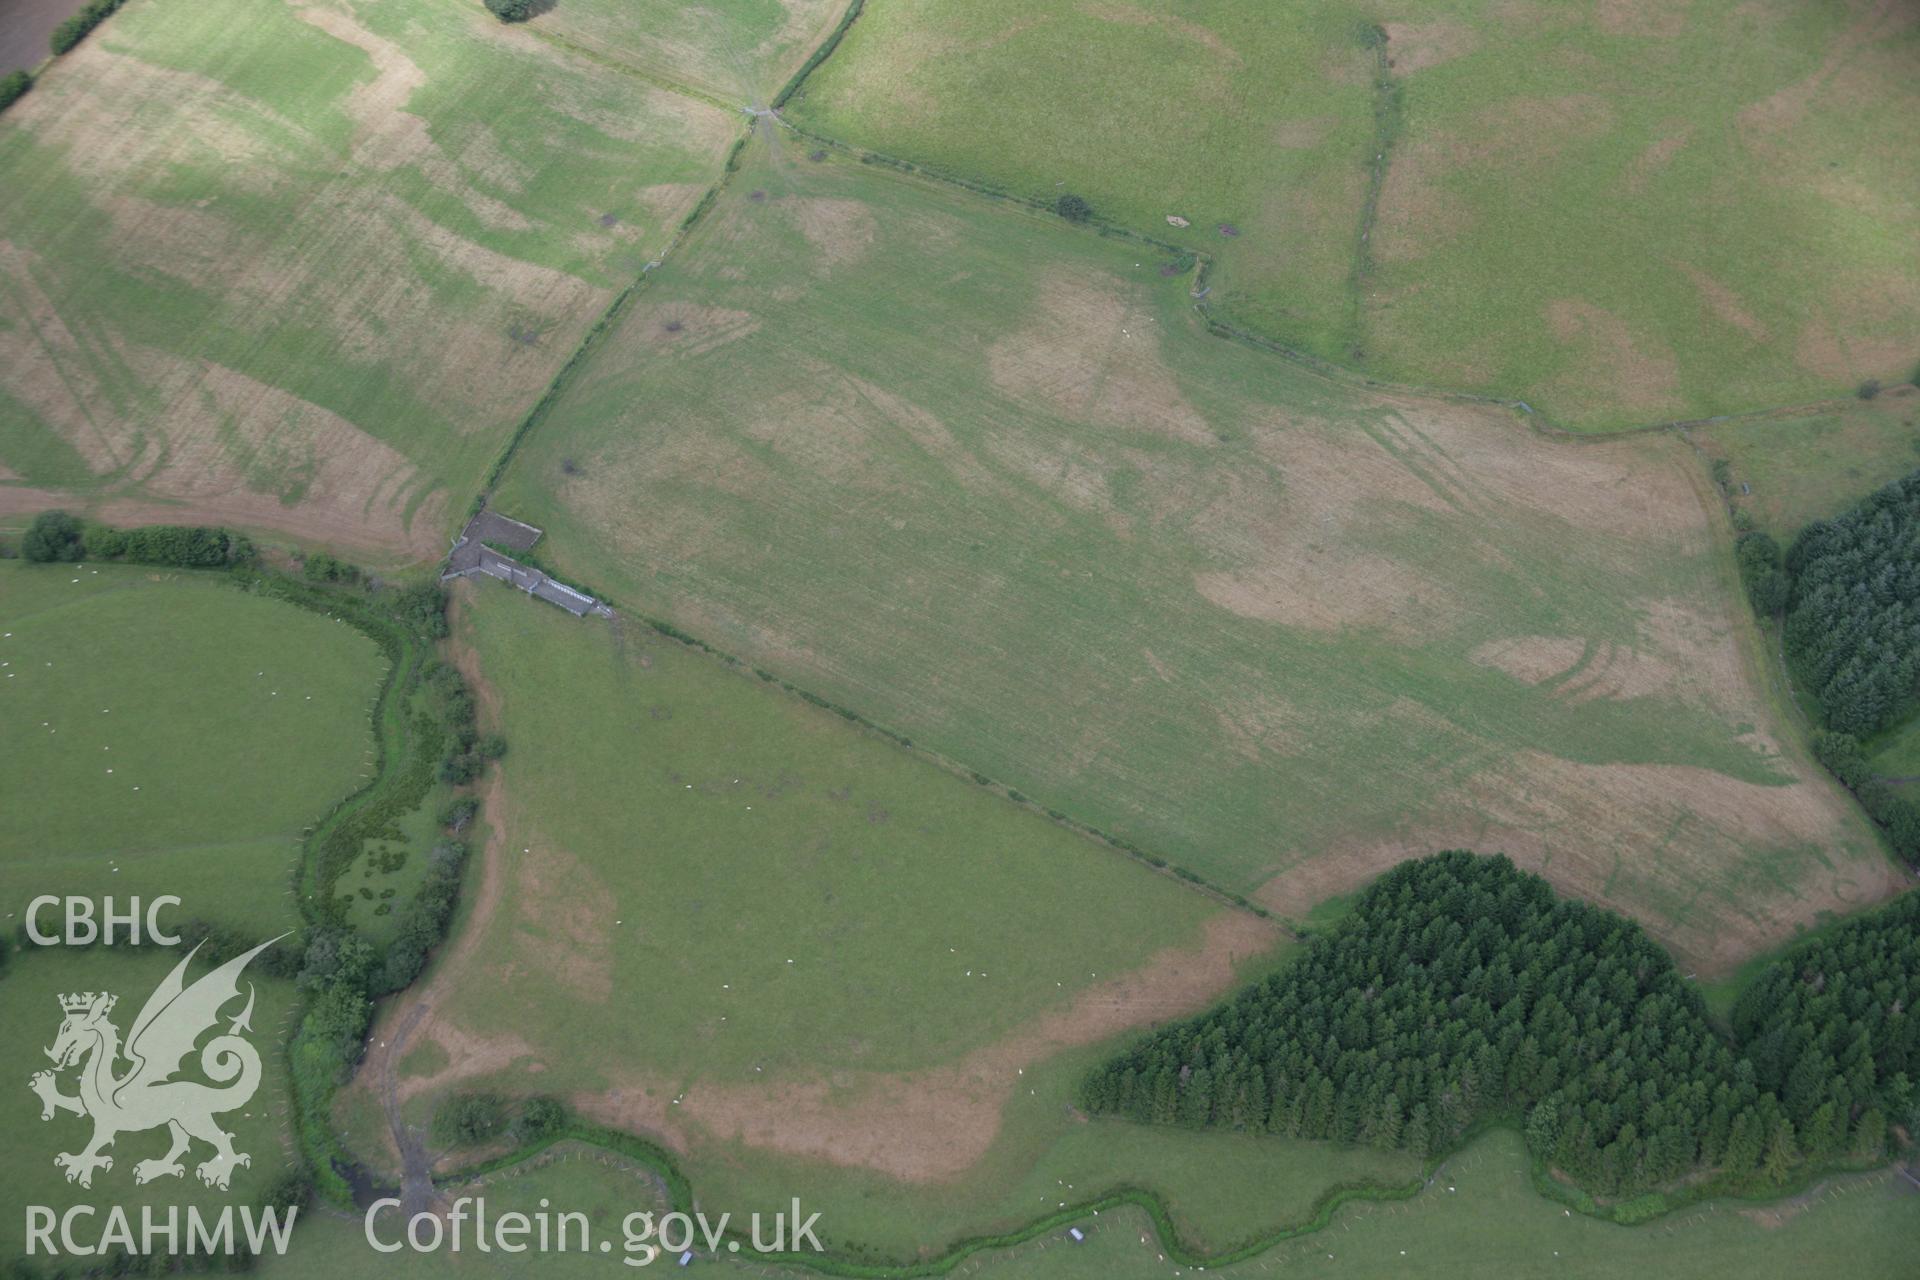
1461,990
1853,617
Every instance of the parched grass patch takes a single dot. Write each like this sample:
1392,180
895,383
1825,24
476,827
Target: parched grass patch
1254,128
167,733
307,266
1274,630
1621,214
742,51
1219,1189
1643,212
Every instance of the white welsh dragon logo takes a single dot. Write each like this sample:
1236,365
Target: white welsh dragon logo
147,1096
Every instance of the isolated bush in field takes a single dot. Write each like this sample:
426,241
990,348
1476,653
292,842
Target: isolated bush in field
406,958
74,29
104,542
53,535
425,608
1868,389
332,1037
12,86
1768,586
1073,208
459,812
321,567
335,957
469,1118
423,925
511,10
333,1030
1723,475
461,767
189,546
1769,592
292,1189
450,692
539,1118
447,858
458,709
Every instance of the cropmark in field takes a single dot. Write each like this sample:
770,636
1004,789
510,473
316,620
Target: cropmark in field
306,266
985,479
1621,212
739,53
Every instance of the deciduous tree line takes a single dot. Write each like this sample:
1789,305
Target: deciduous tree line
56,537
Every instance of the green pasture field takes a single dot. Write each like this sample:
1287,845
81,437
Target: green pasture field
1480,1216
164,732
307,267
571,1177
738,51
763,892
1620,213
985,479
30,987
1896,753
1233,1185
1790,472
845,916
